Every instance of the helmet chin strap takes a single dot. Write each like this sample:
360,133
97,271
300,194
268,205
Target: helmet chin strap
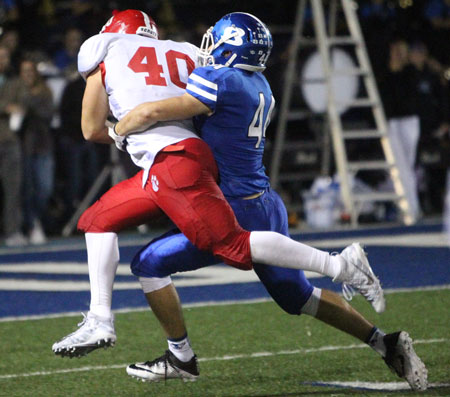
230,61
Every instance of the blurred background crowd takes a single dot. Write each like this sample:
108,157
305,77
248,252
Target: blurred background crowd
46,167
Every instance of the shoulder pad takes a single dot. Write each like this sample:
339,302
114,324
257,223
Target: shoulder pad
92,52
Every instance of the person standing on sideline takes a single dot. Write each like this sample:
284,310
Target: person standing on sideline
38,146
78,155
11,116
398,95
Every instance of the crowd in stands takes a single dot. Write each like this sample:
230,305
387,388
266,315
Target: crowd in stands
46,167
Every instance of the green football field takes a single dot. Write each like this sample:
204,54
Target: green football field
244,350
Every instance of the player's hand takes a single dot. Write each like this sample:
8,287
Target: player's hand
118,140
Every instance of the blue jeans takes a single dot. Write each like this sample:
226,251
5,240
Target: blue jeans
38,185
81,168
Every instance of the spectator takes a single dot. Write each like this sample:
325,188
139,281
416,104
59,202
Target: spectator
37,148
11,40
377,23
398,95
66,58
10,154
80,159
9,12
433,111
445,144
437,13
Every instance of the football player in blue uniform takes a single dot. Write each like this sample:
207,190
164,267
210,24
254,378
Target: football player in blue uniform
232,103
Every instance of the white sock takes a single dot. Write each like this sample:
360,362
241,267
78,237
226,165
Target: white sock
376,342
271,248
150,284
312,304
181,348
103,259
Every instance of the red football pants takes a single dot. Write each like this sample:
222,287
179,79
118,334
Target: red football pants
182,184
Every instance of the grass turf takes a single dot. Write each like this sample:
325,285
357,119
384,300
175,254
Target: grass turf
293,360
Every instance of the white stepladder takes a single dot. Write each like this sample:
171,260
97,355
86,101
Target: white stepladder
326,40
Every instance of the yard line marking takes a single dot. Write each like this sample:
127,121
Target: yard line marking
311,350
379,386
222,358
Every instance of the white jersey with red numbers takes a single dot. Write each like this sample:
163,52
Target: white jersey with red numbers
137,69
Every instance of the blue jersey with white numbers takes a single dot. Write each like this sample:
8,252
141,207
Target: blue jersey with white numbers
242,102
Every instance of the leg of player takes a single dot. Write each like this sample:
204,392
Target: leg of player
179,360
205,208
396,349
113,212
351,267
97,328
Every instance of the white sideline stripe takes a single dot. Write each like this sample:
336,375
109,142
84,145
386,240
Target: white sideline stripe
425,288
211,275
222,358
55,286
57,268
201,304
433,239
134,309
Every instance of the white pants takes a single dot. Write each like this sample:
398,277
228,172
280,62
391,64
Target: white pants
404,135
447,208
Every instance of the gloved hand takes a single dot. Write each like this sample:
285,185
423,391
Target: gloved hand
120,141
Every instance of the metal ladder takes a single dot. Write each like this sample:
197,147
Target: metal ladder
325,41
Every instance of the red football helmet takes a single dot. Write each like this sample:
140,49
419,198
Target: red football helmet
131,22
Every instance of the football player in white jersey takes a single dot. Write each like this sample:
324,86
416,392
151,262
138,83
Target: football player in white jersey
126,65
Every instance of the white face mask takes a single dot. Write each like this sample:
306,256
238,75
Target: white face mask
206,47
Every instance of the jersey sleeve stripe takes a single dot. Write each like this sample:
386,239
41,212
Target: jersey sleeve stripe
200,92
203,81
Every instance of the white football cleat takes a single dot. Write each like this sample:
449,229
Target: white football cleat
165,367
356,274
403,360
93,332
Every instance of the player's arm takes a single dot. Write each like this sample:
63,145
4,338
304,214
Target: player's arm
95,110
146,114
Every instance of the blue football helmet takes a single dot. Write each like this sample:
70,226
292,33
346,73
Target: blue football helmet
237,40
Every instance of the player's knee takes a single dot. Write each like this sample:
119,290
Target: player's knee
90,222
288,302
148,264
85,221
236,254
311,306
288,288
